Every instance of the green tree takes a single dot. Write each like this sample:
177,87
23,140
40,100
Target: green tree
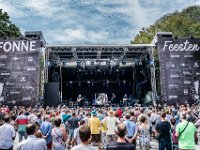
182,24
7,28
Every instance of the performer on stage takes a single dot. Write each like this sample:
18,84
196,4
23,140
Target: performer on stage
105,99
80,99
125,100
113,98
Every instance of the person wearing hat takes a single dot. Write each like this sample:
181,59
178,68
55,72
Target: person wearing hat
94,125
111,122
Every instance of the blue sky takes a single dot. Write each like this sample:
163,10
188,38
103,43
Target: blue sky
89,21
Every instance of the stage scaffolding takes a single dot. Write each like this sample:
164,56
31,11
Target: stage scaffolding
64,56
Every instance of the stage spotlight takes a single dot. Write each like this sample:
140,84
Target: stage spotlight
49,64
87,62
123,62
112,63
124,81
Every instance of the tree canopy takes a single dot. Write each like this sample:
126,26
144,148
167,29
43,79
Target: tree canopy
7,28
182,24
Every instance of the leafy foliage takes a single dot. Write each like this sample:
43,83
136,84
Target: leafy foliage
182,24
7,28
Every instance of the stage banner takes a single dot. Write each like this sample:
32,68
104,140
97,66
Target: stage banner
19,71
179,69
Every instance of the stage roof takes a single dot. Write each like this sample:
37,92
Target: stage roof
101,54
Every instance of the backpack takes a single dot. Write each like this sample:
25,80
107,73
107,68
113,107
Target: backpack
174,137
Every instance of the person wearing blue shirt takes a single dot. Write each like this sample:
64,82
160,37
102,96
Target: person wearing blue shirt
46,128
131,130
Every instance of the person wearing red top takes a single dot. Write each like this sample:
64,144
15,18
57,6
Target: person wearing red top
119,112
22,121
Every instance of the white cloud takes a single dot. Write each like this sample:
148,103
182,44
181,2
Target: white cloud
11,10
41,7
72,36
89,21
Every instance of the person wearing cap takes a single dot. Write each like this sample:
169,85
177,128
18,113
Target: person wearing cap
111,122
7,134
94,125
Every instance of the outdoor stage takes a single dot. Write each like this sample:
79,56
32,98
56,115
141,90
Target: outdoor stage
95,70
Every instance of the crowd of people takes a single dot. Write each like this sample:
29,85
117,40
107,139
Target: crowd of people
90,128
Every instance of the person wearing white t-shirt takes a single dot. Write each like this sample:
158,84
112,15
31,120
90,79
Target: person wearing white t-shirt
111,122
7,134
76,132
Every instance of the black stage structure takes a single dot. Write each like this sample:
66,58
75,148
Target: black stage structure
93,69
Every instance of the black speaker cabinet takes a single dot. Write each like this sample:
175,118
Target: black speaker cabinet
51,94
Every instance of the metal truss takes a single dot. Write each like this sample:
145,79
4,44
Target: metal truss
97,52
153,75
46,60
